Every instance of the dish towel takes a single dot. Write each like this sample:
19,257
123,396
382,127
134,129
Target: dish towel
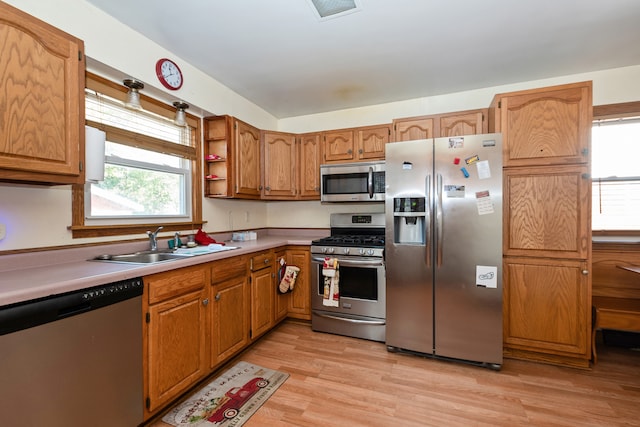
331,273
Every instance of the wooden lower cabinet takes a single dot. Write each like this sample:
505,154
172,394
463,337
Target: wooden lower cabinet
229,325
262,278
547,315
300,297
175,325
197,318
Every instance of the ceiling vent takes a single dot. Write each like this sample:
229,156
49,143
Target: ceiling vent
327,9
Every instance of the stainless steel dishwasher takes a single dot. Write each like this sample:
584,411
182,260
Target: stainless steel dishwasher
74,359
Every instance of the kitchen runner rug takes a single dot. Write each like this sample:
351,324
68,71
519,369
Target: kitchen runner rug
228,400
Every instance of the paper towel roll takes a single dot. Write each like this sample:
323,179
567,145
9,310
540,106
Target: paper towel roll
94,154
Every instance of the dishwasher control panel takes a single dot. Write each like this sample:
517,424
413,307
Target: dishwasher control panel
124,287
27,314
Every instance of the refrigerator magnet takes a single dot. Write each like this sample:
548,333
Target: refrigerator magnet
457,142
465,172
472,159
486,276
484,203
484,171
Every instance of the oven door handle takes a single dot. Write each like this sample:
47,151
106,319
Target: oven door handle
352,262
349,320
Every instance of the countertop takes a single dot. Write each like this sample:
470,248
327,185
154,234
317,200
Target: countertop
34,275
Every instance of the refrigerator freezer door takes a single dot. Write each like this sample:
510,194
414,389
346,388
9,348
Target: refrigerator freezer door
468,308
408,270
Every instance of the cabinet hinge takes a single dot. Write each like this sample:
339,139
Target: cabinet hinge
483,117
147,402
80,166
79,55
250,333
235,125
389,130
499,104
147,318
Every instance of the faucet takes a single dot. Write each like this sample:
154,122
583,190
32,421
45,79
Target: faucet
153,238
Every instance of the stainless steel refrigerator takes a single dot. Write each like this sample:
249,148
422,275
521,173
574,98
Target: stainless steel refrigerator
443,248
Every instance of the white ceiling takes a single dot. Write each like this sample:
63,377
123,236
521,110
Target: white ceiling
279,55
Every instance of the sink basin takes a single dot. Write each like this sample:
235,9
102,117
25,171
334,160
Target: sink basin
151,257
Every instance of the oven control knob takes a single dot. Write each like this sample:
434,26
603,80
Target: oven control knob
361,251
369,251
331,250
345,251
324,250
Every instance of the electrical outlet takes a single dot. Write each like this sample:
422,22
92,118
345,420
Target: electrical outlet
3,231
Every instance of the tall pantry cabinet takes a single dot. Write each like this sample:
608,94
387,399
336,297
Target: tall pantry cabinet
547,228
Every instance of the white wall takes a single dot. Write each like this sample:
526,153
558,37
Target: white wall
39,217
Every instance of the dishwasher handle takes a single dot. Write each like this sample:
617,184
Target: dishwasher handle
25,315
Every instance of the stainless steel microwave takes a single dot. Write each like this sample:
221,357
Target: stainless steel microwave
352,182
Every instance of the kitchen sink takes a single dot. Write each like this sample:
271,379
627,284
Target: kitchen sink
147,257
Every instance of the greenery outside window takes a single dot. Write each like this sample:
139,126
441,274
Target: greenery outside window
151,168
615,173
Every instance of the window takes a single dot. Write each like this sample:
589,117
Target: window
151,168
615,173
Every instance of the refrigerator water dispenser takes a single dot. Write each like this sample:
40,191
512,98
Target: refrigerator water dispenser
409,218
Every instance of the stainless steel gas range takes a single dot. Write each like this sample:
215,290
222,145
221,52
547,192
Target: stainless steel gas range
357,243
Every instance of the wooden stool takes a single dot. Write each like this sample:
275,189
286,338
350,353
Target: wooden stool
621,314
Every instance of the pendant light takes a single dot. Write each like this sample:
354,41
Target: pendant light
181,116
133,96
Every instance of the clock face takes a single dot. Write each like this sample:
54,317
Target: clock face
169,74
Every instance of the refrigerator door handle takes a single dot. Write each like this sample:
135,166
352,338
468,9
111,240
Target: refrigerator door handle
370,182
439,219
427,225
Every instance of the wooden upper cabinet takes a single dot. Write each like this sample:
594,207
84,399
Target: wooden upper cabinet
42,114
544,126
356,144
463,123
247,161
280,161
309,165
412,128
458,123
547,211
371,141
339,146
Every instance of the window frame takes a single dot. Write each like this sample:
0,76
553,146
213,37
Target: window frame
612,111
81,230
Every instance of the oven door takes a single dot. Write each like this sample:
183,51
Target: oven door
362,287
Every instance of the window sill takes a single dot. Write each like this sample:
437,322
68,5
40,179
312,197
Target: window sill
81,231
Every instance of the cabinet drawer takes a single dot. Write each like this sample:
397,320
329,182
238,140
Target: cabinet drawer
260,261
172,283
228,269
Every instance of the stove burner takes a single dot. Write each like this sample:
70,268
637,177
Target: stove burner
351,240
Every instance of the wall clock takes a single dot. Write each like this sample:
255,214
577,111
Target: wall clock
169,74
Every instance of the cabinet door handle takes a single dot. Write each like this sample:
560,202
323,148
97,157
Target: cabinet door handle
349,151
360,151
217,297
205,301
266,260
585,272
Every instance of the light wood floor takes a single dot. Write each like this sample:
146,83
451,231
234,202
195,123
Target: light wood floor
339,381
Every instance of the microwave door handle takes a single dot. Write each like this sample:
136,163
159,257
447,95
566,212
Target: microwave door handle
370,182
427,226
